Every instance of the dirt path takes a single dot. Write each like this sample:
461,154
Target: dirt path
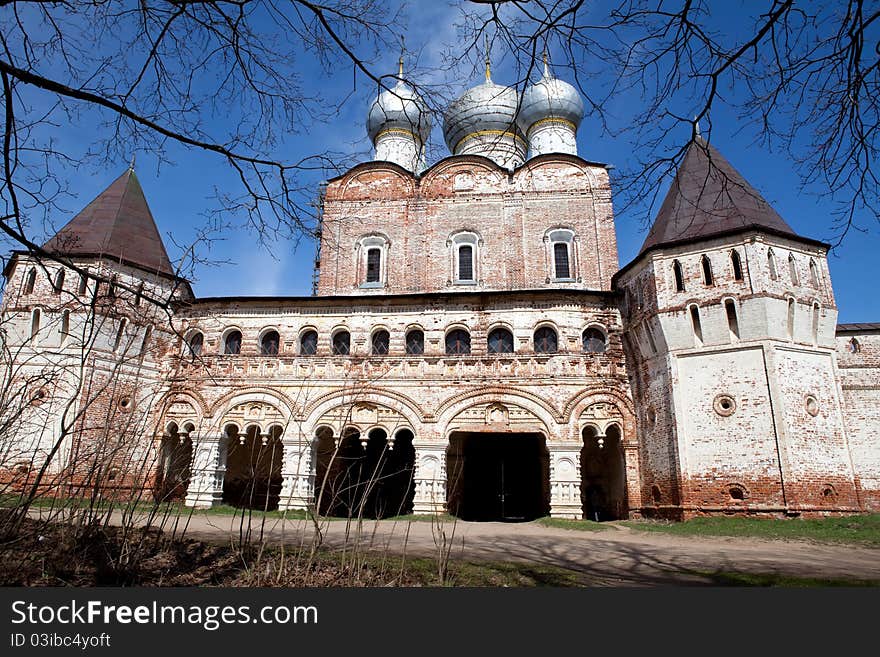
616,556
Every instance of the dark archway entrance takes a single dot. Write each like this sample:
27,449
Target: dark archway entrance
498,476
369,479
603,475
175,460
253,468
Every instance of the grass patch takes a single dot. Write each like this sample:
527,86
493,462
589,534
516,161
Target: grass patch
576,525
765,579
859,529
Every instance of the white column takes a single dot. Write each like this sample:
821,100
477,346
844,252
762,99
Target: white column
429,479
298,476
207,472
565,481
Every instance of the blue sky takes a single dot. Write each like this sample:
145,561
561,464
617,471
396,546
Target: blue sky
180,193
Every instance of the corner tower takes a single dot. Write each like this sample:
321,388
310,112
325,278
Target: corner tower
729,321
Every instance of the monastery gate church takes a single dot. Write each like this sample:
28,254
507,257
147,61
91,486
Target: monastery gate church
473,346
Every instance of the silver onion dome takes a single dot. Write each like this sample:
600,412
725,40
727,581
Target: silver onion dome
484,108
550,98
399,108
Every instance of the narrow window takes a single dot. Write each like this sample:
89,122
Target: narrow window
147,334
771,265
35,323
500,341
790,322
83,284
232,343
732,319
308,343
816,311
466,262
58,285
594,340
854,346
381,343
707,270
697,326
679,276
341,343
736,263
458,341
792,269
374,260
195,343
415,342
561,260
111,292
814,273
119,335
139,294
269,343
650,333
546,341
65,326
30,281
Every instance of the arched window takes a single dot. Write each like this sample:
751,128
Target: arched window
697,326
736,264
119,335
814,273
458,341
139,294
195,343
816,313
594,340
83,284
546,341
65,326
771,265
732,319
270,343
561,260
308,343
58,284
30,281
380,343
465,262
374,262
792,270
708,279
678,274
854,346
415,342
790,323
232,343
111,290
35,323
341,343
146,341
500,341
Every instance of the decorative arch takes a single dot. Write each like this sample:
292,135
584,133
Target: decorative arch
361,181
575,407
316,409
268,396
454,406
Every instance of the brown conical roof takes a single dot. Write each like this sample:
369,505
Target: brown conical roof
709,197
118,224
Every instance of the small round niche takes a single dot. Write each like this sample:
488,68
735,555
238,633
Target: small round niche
724,405
811,405
125,403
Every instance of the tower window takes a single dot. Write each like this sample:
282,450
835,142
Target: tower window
561,260
381,343
594,340
697,326
732,319
30,281
195,343
854,346
465,262
415,342
232,343
790,323
374,259
816,313
119,335
65,326
58,285
270,343
771,265
35,323
736,263
500,341
792,270
308,343
678,274
458,341
707,271
139,294
546,341
814,273
341,343
83,284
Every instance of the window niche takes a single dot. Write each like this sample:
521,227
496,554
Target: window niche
561,255
373,261
465,252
